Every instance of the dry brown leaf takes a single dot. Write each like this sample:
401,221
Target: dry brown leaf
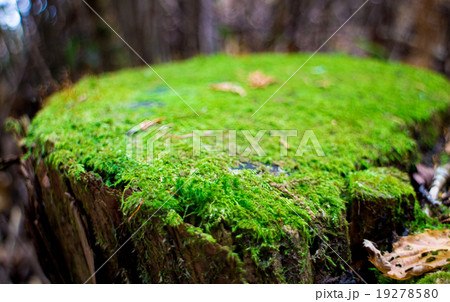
147,124
424,175
285,143
324,84
82,98
185,135
192,134
258,79
228,86
143,126
412,255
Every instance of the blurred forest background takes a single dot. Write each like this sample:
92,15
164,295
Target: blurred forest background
46,45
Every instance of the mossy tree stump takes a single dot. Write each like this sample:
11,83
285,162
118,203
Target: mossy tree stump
215,217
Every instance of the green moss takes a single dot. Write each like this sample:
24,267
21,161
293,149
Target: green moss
435,278
385,183
360,118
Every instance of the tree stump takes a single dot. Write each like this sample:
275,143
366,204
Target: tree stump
131,181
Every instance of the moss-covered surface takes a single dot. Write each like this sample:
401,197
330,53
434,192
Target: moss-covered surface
381,200
359,109
436,278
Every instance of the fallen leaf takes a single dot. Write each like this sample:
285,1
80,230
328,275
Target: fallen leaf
185,135
192,134
228,86
424,175
258,79
323,84
413,255
376,258
145,125
397,120
420,86
285,143
82,98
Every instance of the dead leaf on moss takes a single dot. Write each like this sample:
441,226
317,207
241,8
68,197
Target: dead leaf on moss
258,79
412,255
192,134
185,135
147,124
285,143
231,87
424,175
323,84
143,126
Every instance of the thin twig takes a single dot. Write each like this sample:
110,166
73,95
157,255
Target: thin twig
137,210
